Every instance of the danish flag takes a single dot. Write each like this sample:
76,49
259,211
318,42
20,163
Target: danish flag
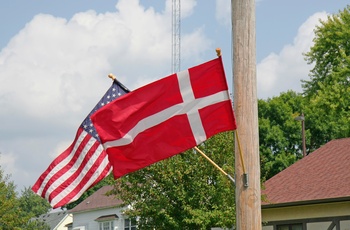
165,118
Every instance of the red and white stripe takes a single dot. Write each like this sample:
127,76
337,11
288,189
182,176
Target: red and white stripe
74,171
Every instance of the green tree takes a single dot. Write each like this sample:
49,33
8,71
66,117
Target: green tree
330,53
325,101
16,212
11,216
36,225
280,140
32,204
184,191
328,90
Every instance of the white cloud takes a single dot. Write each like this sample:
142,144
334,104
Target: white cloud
59,65
223,12
279,72
284,71
186,7
195,44
7,162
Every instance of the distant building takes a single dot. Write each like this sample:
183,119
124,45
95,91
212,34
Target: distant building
101,212
60,220
311,194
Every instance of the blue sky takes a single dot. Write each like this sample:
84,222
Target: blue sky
55,57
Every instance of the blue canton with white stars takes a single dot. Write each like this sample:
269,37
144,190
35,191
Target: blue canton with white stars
112,93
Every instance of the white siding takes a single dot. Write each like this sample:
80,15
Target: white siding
67,220
345,225
318,225
87,219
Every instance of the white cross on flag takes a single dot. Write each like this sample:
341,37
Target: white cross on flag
165,117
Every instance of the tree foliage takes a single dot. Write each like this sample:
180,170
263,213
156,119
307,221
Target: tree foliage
32,204
330,53
15,211
328,90
10,212
279,134
325,100
184,191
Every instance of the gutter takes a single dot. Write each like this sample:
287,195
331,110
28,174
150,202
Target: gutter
305,202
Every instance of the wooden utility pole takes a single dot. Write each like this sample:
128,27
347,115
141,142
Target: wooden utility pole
247,164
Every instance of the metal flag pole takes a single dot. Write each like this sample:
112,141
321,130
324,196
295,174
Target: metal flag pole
245,175
216,166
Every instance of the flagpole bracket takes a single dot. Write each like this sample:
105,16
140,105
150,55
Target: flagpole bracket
245,180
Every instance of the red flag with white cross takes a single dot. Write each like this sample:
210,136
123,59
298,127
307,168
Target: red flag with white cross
165,118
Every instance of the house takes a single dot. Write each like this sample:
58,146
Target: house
100,211
58,220
311,194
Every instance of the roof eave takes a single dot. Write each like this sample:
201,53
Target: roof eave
93,209
305,202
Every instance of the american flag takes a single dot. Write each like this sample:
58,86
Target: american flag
83,164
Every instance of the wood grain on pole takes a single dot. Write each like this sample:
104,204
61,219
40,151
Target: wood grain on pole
248,198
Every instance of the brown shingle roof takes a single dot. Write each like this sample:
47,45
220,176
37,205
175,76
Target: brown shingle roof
323,174
98,200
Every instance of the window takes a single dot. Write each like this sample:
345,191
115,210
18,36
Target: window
130,224
290,227
107,225
107,222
